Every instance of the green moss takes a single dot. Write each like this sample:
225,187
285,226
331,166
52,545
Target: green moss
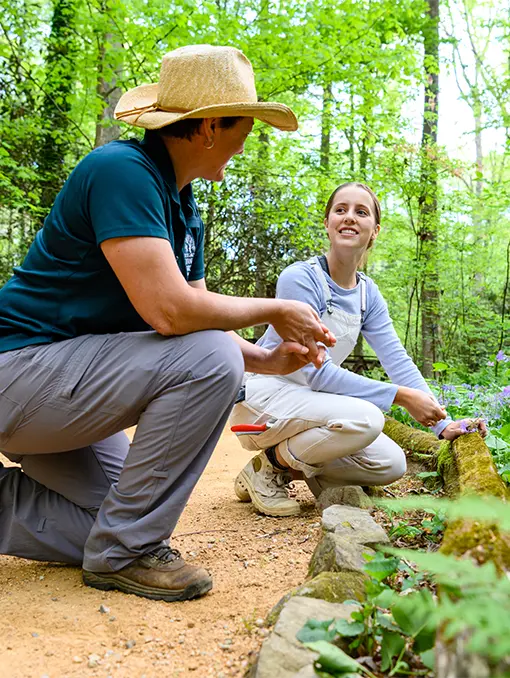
447,468
468,468
411,439
335,587
476,469
479,541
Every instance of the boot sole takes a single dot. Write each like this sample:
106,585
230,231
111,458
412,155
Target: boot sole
268,511
108,582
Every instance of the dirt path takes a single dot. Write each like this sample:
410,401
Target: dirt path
52,626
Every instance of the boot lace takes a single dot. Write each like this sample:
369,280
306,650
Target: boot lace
165,554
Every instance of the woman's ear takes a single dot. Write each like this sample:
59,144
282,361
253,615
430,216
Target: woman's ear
326,227
375,233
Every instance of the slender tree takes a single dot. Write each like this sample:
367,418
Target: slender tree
428,199
58,88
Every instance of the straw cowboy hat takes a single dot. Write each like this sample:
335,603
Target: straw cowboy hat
201,81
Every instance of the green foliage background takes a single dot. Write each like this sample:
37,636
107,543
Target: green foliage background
348,69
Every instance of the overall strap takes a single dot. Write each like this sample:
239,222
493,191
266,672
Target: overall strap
315,263
363,293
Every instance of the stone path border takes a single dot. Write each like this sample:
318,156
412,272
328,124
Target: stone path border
336,567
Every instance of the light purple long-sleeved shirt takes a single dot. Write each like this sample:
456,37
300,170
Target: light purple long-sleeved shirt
299,281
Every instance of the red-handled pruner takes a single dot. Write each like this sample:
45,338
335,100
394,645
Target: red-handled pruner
250,429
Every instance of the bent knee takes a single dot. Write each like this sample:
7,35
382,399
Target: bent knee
376,419
372,423
223,357
396,467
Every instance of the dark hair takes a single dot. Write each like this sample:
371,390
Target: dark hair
187,128
377,204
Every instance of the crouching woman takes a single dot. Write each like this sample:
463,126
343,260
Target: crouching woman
327,423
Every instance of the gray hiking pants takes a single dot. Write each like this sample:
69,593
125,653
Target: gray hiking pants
85,494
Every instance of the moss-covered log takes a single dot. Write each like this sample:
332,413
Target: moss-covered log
470,469
421,445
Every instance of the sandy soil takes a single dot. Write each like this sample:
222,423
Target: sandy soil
52,626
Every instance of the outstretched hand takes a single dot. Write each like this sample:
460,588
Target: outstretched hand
462,426
298,323
290,356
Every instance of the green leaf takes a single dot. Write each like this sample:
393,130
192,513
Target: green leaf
346,628
425,640
381,567
428,659
385,598
439,367
505,431
386,621
427,474
332,658
412,611
351,601
391,646
315,630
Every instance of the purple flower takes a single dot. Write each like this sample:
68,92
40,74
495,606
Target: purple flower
490,363
501,357
506,392
471,395
464,425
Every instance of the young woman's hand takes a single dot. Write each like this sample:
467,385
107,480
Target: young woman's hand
297,322
421,406
462,426
288,357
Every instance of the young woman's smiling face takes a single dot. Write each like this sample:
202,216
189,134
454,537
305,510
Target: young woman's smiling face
351,221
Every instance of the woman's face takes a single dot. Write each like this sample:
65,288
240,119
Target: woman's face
351,220
227,143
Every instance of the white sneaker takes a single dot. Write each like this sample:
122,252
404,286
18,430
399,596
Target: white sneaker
266,486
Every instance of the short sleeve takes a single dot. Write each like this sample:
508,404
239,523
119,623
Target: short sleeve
125,197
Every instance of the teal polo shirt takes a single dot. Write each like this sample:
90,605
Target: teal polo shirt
65,286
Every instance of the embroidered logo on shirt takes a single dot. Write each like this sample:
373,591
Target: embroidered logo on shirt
189,251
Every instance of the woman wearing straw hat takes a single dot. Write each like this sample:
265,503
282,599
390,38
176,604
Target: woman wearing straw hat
108,324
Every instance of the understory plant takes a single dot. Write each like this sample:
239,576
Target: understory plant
411,596
489,400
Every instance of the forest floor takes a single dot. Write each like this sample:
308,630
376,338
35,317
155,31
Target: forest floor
52,626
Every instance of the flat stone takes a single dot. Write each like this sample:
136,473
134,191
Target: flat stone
282,654
334,587
348,495
337,554
354,524
306,672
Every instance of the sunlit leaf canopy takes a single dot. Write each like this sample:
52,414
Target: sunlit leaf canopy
355,73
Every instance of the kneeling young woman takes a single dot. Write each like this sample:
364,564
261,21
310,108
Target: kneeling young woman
327,422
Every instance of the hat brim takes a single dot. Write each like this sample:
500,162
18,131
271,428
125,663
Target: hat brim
276,115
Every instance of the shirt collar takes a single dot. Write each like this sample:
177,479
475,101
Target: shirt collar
155,148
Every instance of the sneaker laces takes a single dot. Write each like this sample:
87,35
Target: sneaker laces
280,480
165,554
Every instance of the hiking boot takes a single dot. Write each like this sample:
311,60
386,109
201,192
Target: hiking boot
160,574
267,487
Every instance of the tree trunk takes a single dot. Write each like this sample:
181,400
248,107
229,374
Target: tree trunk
327,99
60,70
109,94
261,282
428,221
109,69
